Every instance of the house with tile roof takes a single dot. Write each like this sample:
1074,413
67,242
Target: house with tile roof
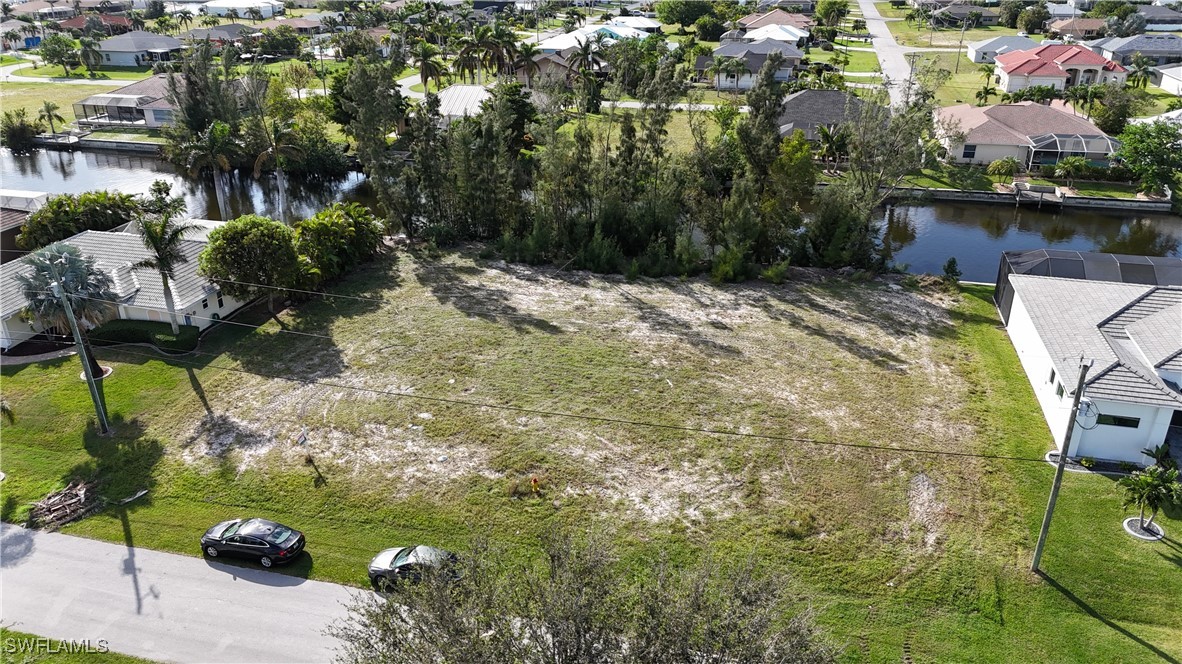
1057,65
1077,28
809,110
1161,49
1027,131
1132,336
141,294
141,104
113,24
776,16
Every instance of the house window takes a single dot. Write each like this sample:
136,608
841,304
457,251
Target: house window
107,57
220,305
205,303
1052,378
1059,391
1118,421
970,152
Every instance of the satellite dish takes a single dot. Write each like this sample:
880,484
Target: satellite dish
1088,413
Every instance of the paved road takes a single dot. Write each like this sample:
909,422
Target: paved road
162,606
895,69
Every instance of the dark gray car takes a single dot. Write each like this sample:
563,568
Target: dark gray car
406,563
268,542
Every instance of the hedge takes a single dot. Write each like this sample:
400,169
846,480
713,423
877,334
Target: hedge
146,332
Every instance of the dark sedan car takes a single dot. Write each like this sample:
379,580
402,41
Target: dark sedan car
269,542
406,563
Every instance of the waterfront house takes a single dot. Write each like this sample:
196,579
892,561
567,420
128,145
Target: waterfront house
1029,132
807,110
1131,333
1057,65
267,8
1159,18
138,48
460,101
141,104
141,294
775,17
1169,79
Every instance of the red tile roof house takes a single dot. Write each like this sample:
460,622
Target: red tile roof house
1058,65
113,25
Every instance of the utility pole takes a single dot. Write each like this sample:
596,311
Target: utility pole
94,393
1046,519
963,26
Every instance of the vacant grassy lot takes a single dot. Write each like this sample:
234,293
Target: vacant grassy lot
426,413
921,34
29,96
860,61
680,134
102,73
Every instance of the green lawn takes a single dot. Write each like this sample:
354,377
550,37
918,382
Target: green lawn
679,134
887,11
19,640
1099,189
1160,99
860,61
152,136
10,59
952,177
31,95
103,73
965,80
895,552
922,35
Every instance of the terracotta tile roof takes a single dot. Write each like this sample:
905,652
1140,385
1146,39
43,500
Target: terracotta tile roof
776,17
1051,59
1014,124
79,22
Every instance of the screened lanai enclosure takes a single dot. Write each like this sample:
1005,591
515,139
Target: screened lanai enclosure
1051,148
1149,270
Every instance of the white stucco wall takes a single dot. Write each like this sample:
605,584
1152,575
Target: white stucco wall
123,59
13,330
1102,441
199,317
987,153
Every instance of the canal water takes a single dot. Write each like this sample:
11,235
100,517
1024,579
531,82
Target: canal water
922,236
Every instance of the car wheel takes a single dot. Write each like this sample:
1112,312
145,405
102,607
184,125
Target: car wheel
266,561
211,551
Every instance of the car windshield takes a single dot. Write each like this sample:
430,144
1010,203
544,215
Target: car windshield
232,529
402,556
278,535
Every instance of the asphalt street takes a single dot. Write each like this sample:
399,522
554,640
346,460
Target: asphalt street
162,606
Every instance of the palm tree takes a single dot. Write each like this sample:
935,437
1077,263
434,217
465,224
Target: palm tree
136,18
91,56
254,14
833,144
1002,168
718,67
737,68
184,18
162,236
49,113
525,61
281,144
1152,488
984,94
1140,69
987,72
209,21
233,14
87,289
1070,168
425,57
165,25
12,38
212,151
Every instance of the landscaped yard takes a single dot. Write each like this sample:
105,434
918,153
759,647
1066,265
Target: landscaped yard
10,60
30,96
411,442
103,73
1085,188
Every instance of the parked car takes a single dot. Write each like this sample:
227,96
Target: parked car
1021,34
406,563
269,542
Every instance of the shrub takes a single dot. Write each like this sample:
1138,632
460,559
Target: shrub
17,130
1128,467
600,254
67,215
1087,462
146,332
441,235
777,273
1047,171
911,282
952,272
730,265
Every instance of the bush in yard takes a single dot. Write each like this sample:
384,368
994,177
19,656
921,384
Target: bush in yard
17,130
952,273
1087,462
336,240
777,273
251,256
68,214
577,604
146,332
1153,153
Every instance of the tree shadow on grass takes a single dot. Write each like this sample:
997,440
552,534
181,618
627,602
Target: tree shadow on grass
1087,608
448,284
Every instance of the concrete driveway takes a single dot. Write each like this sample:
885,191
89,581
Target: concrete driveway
163,606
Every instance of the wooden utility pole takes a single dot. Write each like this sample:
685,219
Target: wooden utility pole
1046,519
99,409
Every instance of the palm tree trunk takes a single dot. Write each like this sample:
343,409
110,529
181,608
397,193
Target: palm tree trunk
1142,519
282,182
219,190
1149,524
168,303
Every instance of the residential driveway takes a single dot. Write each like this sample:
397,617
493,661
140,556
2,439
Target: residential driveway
162,606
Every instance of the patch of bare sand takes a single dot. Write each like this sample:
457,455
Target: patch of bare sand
926,512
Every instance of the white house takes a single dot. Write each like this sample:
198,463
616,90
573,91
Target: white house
141,294
138,48
1132,334
784,33
986,50
637,23
1169,79
267,8
752,56
575,39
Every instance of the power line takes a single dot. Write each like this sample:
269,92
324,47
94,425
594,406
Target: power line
599,418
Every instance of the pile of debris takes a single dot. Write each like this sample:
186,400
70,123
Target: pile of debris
77,500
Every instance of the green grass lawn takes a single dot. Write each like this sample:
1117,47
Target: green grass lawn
10,59
860,61
952,177
102,73
887,11
678,132
152,136
31,95
894,552
922,35
28,641
1160,99
965,80
1099,189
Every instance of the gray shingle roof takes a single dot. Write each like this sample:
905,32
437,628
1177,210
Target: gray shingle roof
139,40
762,47
808,109
114,253
1119,326
1146,43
